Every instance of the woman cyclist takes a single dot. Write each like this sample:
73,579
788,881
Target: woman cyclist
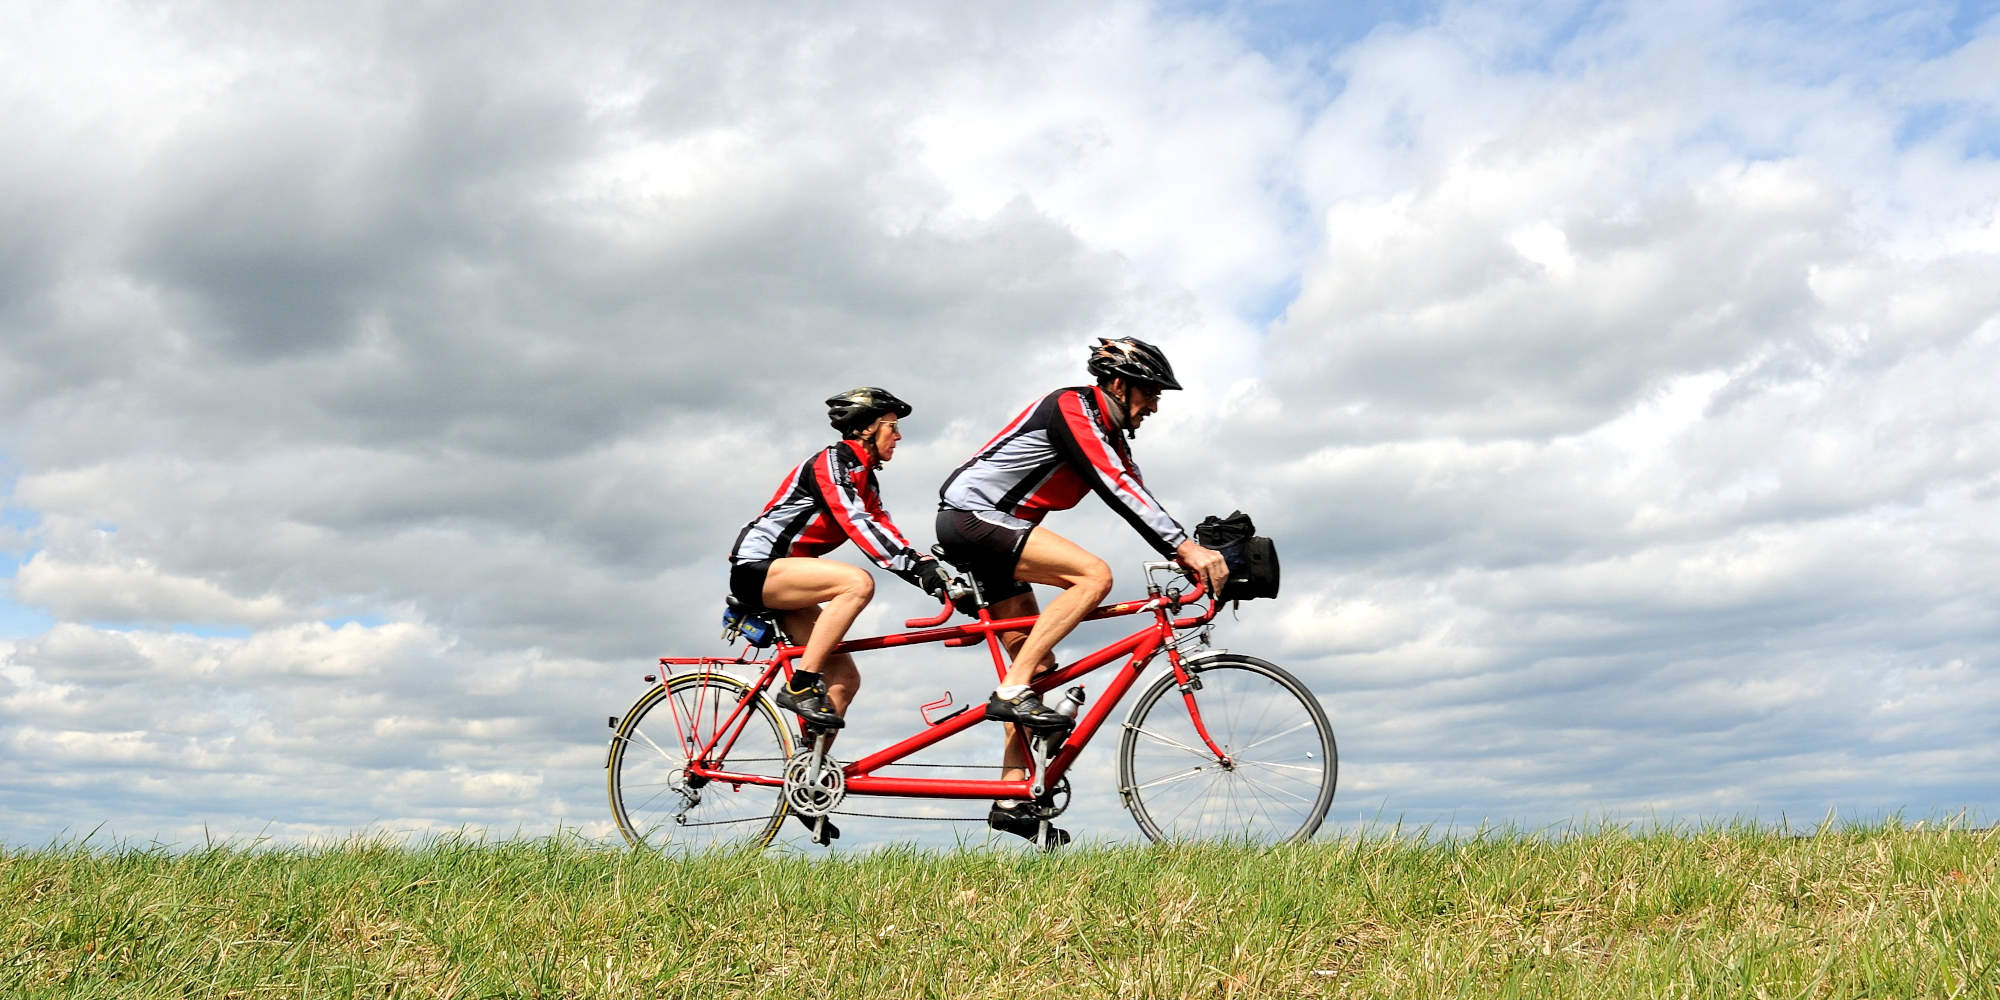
830,498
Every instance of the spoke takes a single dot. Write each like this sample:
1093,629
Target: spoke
1248,713
658,749
1170,779
1275,735
1176,744
646,806
1263,809
1203,797
1238,761
1291,819
667,819
1254,785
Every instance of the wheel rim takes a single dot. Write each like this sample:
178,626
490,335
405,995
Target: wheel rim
660,806
1276,782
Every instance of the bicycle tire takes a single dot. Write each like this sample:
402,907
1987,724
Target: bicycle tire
655,804
1177,789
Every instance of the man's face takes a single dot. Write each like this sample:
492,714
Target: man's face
1140,402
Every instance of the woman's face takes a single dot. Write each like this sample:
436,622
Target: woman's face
883,437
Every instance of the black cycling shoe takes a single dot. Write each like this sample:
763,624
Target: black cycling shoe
1026,709
1024,824
811,705
820,835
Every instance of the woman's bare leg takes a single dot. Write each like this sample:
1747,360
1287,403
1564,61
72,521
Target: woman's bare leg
842,679
817,601
834,591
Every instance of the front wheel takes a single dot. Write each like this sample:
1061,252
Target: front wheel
658,804
1272,781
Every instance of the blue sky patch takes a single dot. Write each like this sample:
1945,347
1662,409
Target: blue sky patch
1277,28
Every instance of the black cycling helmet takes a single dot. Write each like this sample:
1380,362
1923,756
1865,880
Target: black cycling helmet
1133,359
855,409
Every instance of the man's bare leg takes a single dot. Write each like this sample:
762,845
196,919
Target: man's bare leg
1055,561
1005,815
1050,559
1014,761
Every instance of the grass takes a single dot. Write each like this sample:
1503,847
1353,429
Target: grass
1890,911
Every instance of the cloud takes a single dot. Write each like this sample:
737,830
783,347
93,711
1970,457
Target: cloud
381,387
136,592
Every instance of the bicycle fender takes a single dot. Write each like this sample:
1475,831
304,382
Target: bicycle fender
1206,654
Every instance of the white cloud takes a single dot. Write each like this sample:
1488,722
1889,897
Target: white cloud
137,591
1627,437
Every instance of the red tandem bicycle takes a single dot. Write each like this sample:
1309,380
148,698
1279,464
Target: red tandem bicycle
1221,746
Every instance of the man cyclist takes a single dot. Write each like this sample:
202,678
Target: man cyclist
830,498
1066,444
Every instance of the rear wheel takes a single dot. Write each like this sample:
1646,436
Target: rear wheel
660,805
1273,781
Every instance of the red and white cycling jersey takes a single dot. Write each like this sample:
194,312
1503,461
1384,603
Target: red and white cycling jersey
1051,455
830,498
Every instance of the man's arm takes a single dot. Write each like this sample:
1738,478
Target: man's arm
1081,437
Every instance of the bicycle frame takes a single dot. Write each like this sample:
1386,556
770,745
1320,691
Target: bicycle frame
1139,648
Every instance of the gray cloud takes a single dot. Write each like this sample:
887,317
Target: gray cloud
384,385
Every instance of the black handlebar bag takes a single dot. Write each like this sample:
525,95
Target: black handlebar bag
1252,558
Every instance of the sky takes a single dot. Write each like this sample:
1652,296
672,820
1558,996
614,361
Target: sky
382,385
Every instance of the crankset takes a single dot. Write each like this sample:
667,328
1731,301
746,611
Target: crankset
814,782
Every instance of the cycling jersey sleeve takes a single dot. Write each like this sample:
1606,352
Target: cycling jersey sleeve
843,484
1109,471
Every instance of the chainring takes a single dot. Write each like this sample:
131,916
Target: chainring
814,798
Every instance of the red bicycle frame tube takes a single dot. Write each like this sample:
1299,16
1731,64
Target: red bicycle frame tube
1140,647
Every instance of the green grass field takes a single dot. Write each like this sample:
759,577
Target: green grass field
1885,912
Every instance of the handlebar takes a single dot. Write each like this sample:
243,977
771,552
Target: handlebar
943,613
954,589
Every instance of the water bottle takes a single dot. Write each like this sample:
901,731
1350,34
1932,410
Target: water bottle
1071,703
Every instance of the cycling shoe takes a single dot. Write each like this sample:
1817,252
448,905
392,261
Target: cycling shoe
811,705
1026,709
1024,824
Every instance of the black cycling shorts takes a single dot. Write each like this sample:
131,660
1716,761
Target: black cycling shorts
746,582
985,545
